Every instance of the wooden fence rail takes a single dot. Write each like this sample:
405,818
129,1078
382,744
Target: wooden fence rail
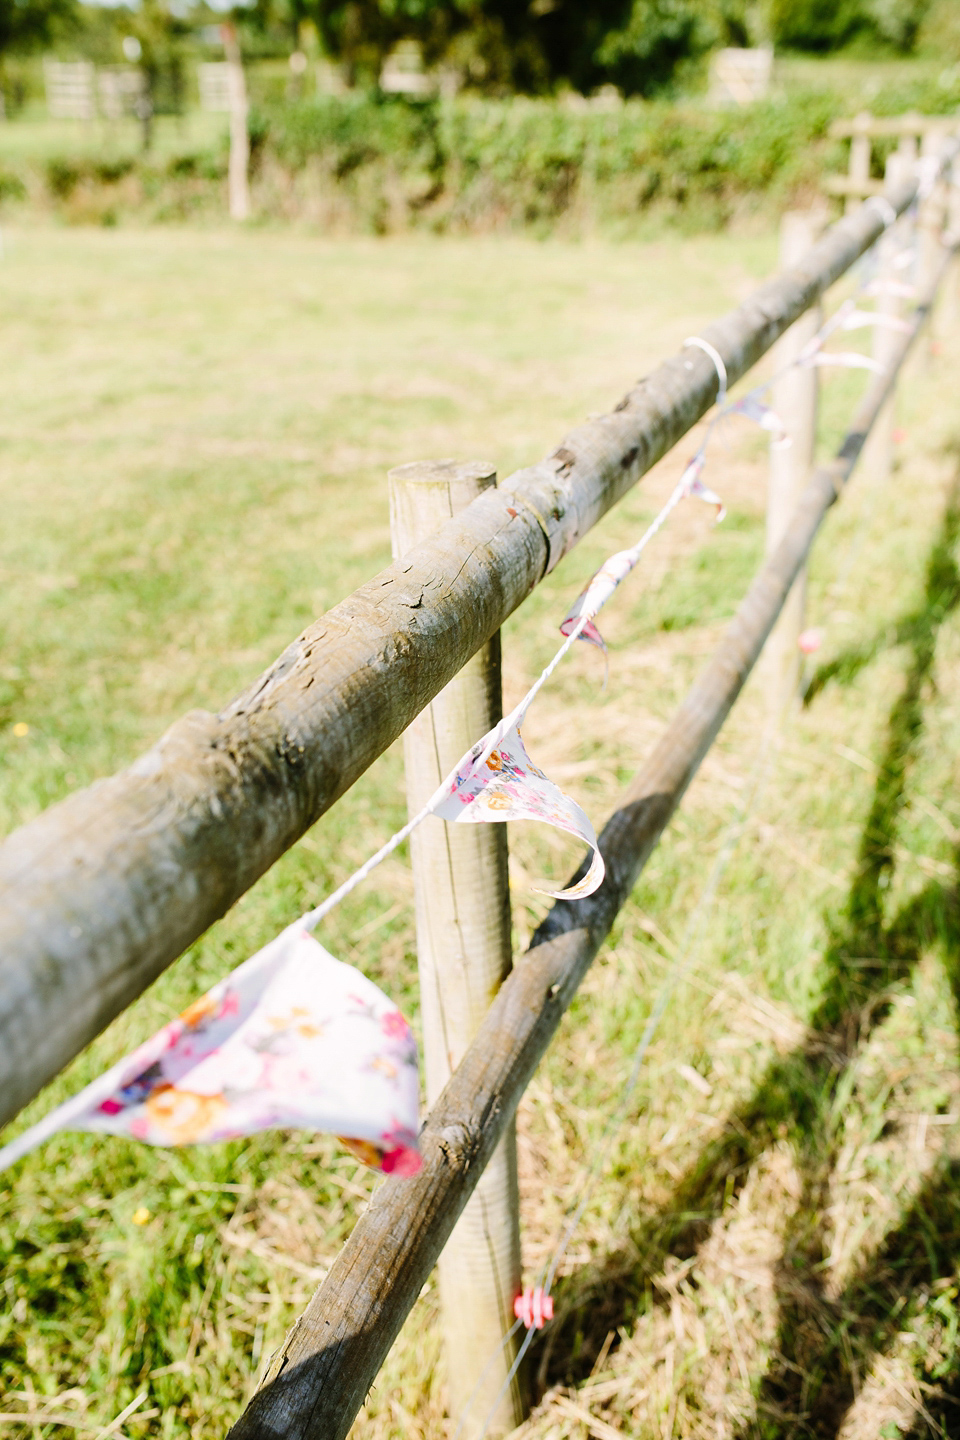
320,1377
862,130
104,890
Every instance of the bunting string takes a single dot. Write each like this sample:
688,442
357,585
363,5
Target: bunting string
262,1049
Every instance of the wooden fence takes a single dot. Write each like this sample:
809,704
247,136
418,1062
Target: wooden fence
103,891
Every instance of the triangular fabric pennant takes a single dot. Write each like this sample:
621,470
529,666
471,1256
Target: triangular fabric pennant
861,319
762,414
886,286
292,1039
847,359
500,782
693,486
595,595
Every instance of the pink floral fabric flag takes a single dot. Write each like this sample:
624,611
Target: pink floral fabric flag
846,359
292,1039
499,781
863,319
694,487
751,407
595,595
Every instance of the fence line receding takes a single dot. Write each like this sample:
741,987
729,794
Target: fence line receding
103,891
106,889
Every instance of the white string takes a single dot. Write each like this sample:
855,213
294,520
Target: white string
313,917
717,359
679,969
478,756
682,962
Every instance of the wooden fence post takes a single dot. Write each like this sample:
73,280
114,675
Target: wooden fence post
930,225
951,287
878,455
239,163
795,395
860,146
463,943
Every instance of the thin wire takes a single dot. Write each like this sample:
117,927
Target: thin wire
679,969
682,963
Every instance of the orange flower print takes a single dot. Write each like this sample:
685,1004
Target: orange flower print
495,761
294,1021
496,800
367,1153
203,1009
184,1116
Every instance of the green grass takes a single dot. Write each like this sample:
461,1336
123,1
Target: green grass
195,433
38,138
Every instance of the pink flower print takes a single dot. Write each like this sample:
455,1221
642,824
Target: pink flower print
401,1154
111,1107
394,1025
230,1006
402,1161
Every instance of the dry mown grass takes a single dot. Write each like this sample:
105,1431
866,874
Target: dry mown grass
773,1248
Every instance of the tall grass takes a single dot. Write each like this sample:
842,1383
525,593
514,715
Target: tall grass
196,432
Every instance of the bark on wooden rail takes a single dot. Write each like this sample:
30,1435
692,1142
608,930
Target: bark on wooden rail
103,891
319,1379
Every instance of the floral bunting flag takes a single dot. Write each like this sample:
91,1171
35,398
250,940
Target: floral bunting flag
886,286
499,781
751,407
848,359
861,319
595,595
292,1039
692,485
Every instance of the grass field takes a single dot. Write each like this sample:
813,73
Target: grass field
195,432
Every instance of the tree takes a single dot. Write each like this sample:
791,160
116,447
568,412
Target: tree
659,35
27,24
822,25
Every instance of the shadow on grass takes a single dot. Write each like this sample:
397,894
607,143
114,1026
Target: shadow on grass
824,1346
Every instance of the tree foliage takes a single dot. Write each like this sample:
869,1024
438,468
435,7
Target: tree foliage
26,24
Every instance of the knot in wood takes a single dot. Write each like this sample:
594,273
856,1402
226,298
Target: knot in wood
457,1146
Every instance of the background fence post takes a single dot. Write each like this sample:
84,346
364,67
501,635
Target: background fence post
239,162
878,453
951,286
463,944
860,147
795,395
930,225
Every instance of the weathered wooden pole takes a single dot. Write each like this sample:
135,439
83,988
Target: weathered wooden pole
951,301
102,891
319,1378
930,226
878,457
462,901
795,395
239,163
860,145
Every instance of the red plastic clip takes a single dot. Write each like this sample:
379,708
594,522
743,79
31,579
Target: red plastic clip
533,1308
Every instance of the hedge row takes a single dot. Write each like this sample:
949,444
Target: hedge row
375,163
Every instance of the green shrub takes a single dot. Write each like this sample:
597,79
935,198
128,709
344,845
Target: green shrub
11,186
467,164
109,171
63,176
